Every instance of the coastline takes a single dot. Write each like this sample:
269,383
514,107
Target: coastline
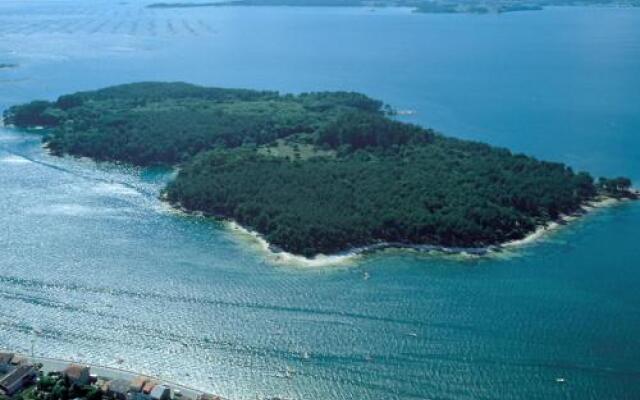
279,256
282,257
542,230
51,364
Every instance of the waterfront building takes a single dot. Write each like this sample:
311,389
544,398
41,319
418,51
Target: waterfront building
78,374
137,384
17,379
160,392
117,389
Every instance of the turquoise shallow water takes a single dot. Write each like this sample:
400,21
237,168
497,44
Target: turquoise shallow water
99,269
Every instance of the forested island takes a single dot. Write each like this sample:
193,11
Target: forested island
315,172
420,6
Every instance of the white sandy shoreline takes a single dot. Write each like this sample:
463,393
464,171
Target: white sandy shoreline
282,257
279,256
564,219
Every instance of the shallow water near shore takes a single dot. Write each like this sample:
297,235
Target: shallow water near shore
95,267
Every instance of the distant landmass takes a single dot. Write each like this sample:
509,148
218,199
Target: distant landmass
315,172
421,6
292,3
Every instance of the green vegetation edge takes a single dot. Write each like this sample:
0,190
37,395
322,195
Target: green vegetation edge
318,172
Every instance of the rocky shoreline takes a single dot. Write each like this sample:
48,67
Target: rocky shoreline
278,255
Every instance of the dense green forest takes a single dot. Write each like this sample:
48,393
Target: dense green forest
315,172
150,123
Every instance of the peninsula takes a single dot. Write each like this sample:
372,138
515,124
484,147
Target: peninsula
316,172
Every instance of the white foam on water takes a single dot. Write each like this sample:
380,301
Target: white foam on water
533,236
163,207
114,189
13,159
285,258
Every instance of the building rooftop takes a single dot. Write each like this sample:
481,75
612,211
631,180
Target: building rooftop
121,386
148,386
160,392
17,374
75,371
18,359
138,383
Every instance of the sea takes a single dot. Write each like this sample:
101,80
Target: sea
95,268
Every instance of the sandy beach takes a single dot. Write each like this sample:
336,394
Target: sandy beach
322,260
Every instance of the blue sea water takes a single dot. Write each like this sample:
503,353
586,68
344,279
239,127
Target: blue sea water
94,267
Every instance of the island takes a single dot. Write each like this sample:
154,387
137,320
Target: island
316,173
419,6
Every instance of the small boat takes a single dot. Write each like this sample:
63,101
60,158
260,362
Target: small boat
560,380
